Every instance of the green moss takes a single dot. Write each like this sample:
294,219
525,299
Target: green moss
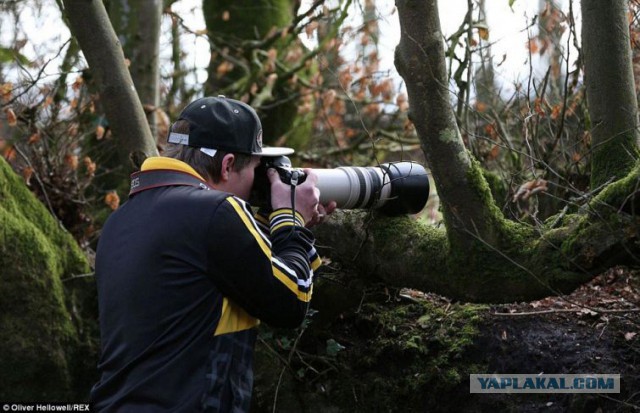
614,156
38,324
619,195
412,350
249,19
398,237
449,136
499,190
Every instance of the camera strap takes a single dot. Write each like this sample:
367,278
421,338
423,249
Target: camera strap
143,180
293,184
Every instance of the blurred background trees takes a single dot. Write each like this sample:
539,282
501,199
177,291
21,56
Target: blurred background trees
313,72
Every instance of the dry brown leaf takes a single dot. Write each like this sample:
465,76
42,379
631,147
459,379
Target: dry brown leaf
484,33
112,200
27,173
9,153
71,161
35,138
99,132
89,165
6,90
12,119
224,68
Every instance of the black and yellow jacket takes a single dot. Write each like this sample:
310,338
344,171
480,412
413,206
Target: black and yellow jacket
184,275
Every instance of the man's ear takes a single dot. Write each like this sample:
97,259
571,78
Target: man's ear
227,166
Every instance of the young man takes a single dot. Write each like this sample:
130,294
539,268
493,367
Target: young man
184,273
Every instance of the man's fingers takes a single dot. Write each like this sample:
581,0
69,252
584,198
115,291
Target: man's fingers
330,207
312,177
272,175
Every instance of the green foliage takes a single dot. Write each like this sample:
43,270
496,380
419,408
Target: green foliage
333,348
412,351
380,353
10,55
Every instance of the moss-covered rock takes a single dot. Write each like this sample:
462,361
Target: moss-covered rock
48,332
381,354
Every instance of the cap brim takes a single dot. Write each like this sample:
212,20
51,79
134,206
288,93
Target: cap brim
273,151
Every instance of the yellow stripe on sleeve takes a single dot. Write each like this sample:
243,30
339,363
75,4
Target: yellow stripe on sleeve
315,264
263,245
302,296
288,282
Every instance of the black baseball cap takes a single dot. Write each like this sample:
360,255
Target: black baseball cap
224,124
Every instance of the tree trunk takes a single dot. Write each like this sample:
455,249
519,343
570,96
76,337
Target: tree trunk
468,209
610,89
231,21
137,24
239,69
481,256
90,25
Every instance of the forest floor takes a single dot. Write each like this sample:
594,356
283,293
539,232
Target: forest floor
594,330
381,349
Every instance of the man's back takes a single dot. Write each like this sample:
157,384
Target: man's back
158,308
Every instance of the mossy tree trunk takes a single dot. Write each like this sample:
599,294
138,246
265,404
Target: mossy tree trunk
90,25
481,256
229,22
468,209
611,89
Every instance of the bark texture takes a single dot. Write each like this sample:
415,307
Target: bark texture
419,58
611,94
404,252
90,25
137,24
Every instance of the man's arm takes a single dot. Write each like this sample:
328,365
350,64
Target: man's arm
264,224
271,280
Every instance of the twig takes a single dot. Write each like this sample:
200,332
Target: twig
39,76
569,310
275,396
282,359
73,277
42,187
633,406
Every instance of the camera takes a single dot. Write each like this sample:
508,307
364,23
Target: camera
395,188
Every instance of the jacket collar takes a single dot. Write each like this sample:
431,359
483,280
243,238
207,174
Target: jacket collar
162,163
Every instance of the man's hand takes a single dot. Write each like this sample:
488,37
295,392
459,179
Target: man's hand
307,197
321,214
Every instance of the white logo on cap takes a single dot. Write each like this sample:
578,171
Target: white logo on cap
179,138
259,138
